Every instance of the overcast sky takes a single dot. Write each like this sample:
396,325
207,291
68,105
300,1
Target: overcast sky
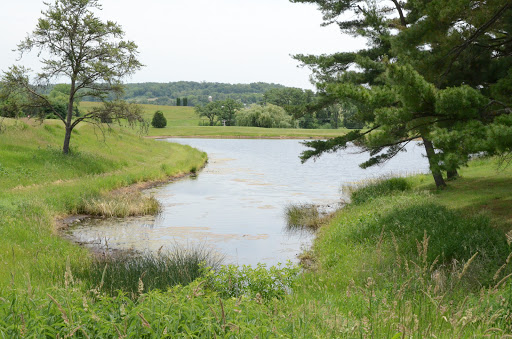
233,41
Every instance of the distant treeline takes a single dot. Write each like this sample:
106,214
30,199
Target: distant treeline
194,93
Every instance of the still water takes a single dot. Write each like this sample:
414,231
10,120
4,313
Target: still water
236,203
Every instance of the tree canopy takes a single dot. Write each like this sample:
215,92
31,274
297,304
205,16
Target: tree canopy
90,53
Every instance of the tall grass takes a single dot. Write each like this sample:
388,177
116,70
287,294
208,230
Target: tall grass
402,265
372,189
38,183
142,272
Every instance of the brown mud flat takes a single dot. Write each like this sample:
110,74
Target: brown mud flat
292,137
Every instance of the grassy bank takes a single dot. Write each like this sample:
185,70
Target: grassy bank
38,183
406,260
402,260
183,121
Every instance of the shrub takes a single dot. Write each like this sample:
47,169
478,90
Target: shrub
253,282
159,121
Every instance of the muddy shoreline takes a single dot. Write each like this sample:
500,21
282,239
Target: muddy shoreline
235,137
63,223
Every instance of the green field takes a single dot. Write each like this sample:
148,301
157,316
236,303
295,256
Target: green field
183,121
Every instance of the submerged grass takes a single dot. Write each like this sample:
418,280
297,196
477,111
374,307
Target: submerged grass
117,205
300,217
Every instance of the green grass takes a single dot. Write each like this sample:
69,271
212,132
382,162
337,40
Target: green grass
484,186
39,183
183,121
414,261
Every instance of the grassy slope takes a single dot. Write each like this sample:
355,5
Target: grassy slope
38,183
183,121
362,286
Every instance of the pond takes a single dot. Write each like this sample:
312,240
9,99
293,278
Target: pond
236,204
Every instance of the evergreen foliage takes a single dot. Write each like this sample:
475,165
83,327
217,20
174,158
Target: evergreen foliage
436,70
159,120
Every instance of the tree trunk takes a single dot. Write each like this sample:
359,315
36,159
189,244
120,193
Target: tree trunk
431,155
69,117
67,138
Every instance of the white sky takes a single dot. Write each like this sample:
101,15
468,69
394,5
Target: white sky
231,41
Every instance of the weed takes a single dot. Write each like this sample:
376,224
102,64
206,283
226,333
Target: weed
253,282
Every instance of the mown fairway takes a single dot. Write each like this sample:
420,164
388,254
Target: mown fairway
183,121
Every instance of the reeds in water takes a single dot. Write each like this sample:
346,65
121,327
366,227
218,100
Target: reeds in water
302,217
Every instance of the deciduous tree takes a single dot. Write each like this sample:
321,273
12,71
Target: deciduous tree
74,44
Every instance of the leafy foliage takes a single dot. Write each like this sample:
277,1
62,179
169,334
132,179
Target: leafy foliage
266,283
195,93
268,116
220,111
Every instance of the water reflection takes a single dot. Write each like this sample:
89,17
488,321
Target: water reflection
236,205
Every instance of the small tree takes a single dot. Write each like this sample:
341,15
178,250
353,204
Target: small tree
90,53
211,110
229,108
185,101
178,101
268,116
159,121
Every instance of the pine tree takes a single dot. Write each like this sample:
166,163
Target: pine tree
420,78
159,120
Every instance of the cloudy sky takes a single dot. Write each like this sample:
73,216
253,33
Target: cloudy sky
233,41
